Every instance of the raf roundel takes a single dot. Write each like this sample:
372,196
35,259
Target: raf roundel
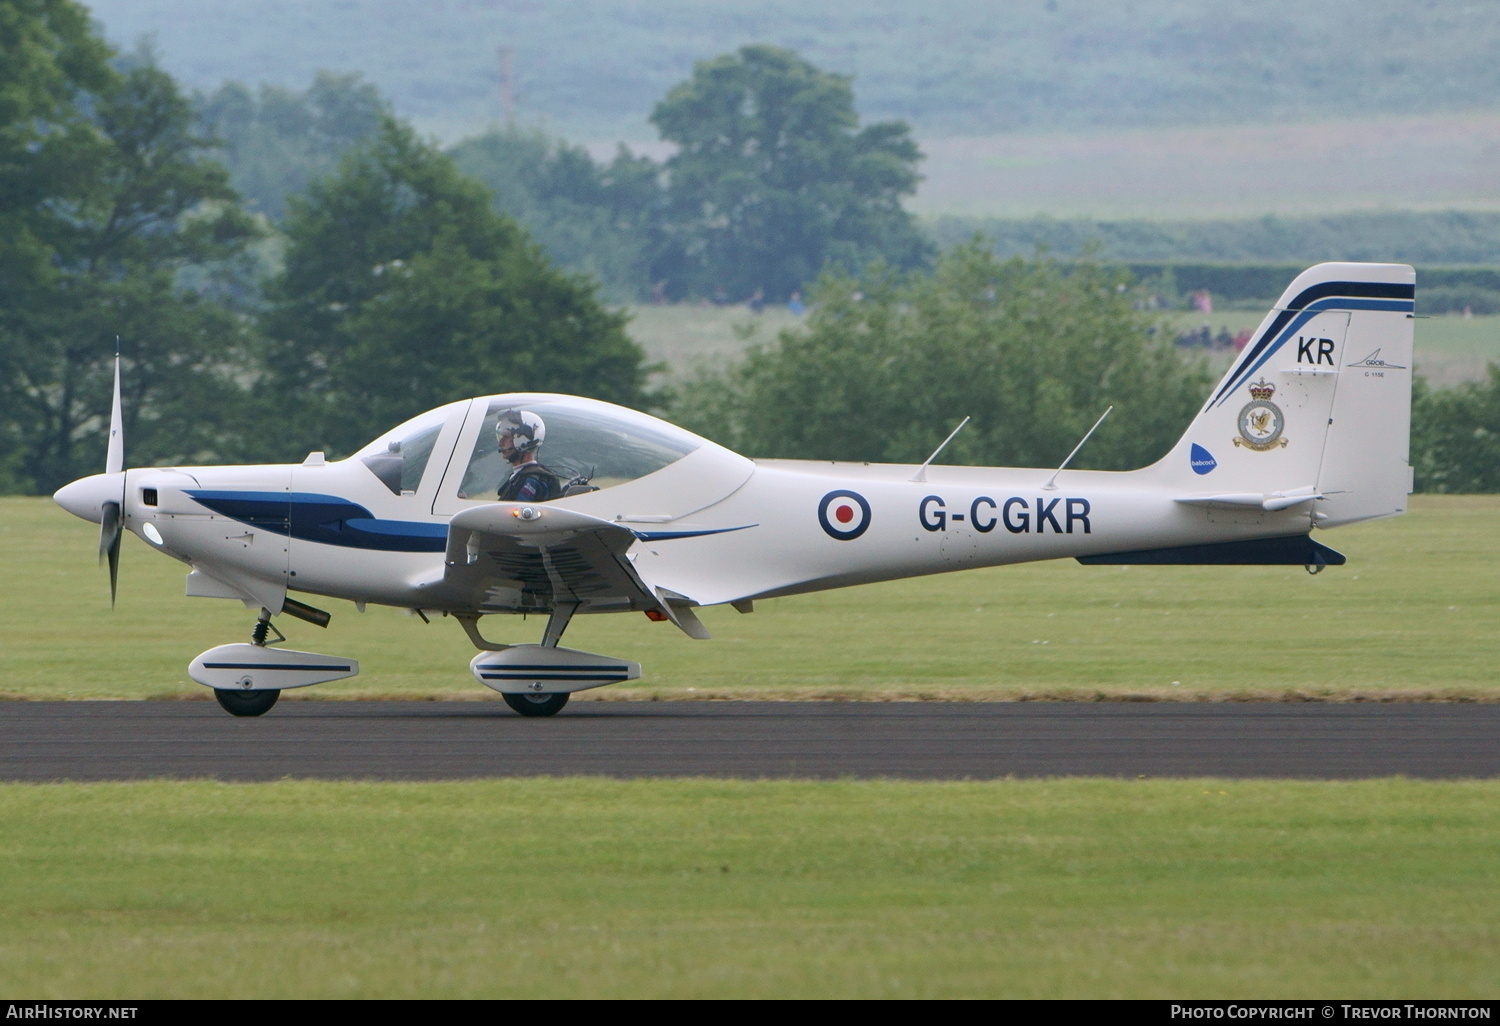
844,515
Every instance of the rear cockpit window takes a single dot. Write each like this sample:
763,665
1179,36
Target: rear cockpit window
585,446
400,458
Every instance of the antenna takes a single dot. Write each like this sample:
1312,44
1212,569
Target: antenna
1051,484
921,474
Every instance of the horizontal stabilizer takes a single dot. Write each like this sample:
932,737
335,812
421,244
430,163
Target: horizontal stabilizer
1298,550
1271,502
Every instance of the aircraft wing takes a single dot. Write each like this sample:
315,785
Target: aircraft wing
514,557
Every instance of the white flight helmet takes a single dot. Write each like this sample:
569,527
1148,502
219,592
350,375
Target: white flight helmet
526,429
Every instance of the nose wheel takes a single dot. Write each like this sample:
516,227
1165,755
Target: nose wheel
528,705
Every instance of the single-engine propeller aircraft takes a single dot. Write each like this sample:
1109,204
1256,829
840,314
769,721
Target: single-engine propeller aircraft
454,513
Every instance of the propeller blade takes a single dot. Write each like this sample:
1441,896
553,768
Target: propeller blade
111,524
114,460
111,533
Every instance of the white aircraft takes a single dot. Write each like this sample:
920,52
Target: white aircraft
1308,429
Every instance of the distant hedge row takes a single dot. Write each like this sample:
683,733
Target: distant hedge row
1439,289
1435,238
1251,260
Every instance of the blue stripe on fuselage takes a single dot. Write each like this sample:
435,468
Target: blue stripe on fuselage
330,520
325,520
699,533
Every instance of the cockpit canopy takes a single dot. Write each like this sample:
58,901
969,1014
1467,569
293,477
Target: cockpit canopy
588,445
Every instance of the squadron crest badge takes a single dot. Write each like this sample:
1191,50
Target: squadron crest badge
1261,421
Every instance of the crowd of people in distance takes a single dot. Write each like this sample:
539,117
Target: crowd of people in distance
755,302
1205,338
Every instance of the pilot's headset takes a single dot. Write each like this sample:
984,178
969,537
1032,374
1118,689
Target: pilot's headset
526,428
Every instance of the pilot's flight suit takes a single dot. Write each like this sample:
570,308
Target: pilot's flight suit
531,482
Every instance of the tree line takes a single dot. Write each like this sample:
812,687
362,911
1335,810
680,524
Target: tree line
771,178
374,278
387,280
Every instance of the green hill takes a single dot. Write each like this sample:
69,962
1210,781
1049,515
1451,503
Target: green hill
591,69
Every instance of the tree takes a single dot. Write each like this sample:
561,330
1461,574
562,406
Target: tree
773,180
403,289
590,217
277,140
49,58
138,236
1456,436
889,363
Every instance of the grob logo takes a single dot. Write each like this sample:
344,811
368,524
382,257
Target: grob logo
844,515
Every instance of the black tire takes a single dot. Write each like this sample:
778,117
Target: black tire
537,705
246,703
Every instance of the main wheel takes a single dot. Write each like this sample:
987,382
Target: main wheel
535,705
246,703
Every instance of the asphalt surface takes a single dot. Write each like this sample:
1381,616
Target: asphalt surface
919,740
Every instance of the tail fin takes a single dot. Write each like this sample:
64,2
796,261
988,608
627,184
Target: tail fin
1318,403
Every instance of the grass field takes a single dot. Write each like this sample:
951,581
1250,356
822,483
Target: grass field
682,337
1413,614
585,888
685,337
1430,162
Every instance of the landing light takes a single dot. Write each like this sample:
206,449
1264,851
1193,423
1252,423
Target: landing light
152,534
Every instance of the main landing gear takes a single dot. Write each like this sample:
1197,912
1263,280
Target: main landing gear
536,680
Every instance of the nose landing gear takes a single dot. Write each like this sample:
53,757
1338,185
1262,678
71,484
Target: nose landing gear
248,679
252,701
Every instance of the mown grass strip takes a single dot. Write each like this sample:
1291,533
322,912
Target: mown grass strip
584,887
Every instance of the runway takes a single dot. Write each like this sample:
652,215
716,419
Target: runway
41,741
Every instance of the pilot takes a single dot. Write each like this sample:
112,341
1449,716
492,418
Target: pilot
519,434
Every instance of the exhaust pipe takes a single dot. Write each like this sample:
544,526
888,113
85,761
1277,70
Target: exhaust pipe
303,611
